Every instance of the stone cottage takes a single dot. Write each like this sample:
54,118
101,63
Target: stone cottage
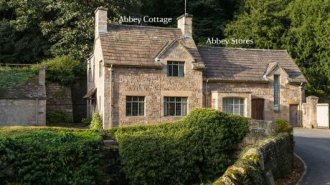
24,104
145,74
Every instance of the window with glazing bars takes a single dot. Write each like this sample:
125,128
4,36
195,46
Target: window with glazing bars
277,93
175,106
175,69
233,106
135,106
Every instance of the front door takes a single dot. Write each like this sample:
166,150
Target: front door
294,115
258,109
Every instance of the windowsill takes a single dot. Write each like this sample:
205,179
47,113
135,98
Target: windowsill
135,116
175,76
174,116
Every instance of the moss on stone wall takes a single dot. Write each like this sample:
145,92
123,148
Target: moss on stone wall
272,157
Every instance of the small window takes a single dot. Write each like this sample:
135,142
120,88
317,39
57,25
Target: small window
277,92
100,68
175,106
135,106
233,106
90,74
175,69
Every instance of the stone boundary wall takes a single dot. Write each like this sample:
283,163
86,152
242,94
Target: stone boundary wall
259,130
271,159
59,98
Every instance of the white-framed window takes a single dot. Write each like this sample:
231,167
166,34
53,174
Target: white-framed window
135,105
234,106
175,106
175,69
277,92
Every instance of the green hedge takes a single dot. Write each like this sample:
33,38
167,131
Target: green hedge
196,149
64,70
55,157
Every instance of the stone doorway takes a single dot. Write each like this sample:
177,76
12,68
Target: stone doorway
294,115
258,109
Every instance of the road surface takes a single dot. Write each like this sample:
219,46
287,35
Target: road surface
313,146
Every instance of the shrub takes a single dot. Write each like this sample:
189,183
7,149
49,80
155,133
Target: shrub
283,126
63,70
58,117
197,148
47,157
96,123
86,121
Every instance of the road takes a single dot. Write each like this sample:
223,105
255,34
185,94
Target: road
313,146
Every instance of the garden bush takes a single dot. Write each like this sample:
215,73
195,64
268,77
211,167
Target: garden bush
63,70
58,117
96,122
283,126
47,157
196,149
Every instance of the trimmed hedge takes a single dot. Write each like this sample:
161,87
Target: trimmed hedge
196,149
55,157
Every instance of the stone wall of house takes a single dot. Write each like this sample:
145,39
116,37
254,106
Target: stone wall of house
154,85
22,112
290,94
59,99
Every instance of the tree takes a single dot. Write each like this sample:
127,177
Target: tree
300,26
36,29
263,21
308,41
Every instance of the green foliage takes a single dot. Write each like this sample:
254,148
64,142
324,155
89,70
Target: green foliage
47,157
58,117
96,123
86,121
38,29
300,26
308,42
63,70
283,126
195,149
12,76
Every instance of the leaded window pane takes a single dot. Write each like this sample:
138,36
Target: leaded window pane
134,106
175,69
277,87
233,106
175,106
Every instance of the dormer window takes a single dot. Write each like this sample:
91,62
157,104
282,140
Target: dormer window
175,69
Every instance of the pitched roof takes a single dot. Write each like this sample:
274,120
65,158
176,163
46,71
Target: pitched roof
237,64
138,45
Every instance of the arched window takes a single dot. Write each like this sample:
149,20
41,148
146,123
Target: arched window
233,106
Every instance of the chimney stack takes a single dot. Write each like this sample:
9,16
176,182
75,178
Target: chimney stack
101,19
185,24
